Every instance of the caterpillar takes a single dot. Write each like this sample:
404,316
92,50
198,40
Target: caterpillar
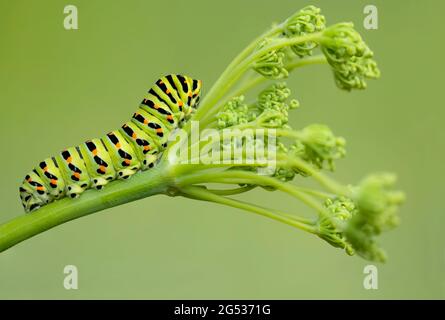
135,146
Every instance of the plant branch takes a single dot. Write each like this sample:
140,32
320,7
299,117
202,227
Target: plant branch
141,185
259,79
203,194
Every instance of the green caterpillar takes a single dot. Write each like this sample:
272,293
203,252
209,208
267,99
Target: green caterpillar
121,153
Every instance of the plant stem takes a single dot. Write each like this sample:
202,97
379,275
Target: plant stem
230,192
203,194
214,91
239,66
322,179
318,59
141,185
243,177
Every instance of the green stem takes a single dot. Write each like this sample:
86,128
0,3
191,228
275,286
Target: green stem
216,88
235,71
243,177
318,59
203,194
141,185
322,179
282,159
230,192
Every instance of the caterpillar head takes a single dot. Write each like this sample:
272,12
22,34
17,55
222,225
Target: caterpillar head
196,91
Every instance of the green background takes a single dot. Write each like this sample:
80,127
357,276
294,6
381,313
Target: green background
59,87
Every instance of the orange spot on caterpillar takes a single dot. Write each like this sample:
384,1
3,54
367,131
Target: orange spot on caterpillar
118,145
127,161
94,152
159,130
77,175
45,169
53,181
170,117
147,148
156,106
145,121
40,188
189,94
134,135
167,91
69,159
102,169
180,103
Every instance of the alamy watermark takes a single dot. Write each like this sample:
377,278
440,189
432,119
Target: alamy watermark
228,146
70,22
370,22
371,280
71,279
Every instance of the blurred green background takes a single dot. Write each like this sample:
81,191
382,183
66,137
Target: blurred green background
57,85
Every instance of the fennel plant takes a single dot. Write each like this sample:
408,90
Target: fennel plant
349,217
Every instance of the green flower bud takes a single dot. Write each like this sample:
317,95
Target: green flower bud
321,146
273,105
377,206
349,56
234,112
274,96
272,64
377,203
331,227
307,20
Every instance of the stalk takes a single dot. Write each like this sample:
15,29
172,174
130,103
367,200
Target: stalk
141,185
203,194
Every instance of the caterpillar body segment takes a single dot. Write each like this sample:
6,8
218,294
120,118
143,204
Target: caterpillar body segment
145,147
33,190
74,171
49,173
29,197
184,84
98,162
125,160
166,93
153,105
152,126
136,145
